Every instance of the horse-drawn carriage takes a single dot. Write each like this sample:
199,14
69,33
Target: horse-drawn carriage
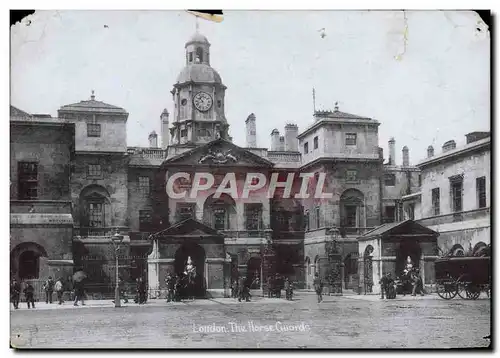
465,276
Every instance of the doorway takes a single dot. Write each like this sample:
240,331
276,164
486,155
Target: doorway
197,254
407,248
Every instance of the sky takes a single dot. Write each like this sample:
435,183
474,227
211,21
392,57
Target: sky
424,75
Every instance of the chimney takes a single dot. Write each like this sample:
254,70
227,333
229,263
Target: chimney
165,132
153,140
381,153
251,131
275,139
475,136
406,156
449,145
291,141
392,151
430,151
281,146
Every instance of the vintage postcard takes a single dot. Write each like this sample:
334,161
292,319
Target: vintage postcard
250,179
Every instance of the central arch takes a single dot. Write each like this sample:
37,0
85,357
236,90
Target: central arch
197,254
25,260
220,213
352,214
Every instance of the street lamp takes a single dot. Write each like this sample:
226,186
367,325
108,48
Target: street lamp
117,240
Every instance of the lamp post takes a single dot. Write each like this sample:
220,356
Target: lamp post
117,240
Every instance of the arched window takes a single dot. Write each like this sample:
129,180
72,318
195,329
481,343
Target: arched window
308,265
199,54
29,265
457,250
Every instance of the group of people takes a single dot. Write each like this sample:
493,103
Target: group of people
174,286
410,278
277,283
50,286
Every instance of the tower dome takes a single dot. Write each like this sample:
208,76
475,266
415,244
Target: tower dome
198,72
197,38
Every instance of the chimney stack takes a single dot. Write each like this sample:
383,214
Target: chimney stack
251,131
291,141
275,140
392,151
165,132
153,140
430,151
281,146
449,145
406,157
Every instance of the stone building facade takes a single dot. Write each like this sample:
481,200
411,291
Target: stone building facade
99,186
454,197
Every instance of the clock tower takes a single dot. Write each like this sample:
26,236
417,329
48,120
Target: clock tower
198,96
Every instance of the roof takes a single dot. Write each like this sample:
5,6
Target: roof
337,114
401,229
453,153
93,106
199,72
199,38
16,112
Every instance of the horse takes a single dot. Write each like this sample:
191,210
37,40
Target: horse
190,284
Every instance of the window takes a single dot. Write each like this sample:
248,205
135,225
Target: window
351,175
93,130
219,104
186,211
351,216
456,187
481,192
94,171
390,179
390,213
306,221
145,220
184,101
199,54
420,180
253,216
184,132
203,132
317,212
144,187
219,219
435,201
350,139
315,142
28,180
190,57
411,211
96,215
306,148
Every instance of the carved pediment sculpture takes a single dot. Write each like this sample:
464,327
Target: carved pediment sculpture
218,157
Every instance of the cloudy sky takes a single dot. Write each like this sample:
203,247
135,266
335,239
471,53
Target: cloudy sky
424,74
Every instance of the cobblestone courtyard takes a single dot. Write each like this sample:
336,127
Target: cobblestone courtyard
338,322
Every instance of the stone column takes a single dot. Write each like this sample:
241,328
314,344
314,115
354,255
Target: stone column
266,213
153,279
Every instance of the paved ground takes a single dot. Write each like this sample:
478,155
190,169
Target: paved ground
338,322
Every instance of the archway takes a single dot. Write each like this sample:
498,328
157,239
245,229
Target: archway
350,269
481,249
197,254
457,250
25,260
254,272
220,213
351,209
407,248
368,268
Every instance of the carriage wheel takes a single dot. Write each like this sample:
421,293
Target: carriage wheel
447,290
462,290
473,292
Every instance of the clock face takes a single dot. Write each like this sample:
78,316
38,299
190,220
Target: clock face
202,101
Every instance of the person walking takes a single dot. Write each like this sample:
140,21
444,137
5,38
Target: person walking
288,289
79,293
15,292
141,290
383,285
59,288
318,287
29,294
270,286
417,283
169,280
49,289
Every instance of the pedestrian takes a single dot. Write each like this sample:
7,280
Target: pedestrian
79,290
15,292
278,285
49,289
288,289
417,283
169,280
244,293
391,287
383,285
270,286
59,288
177,288
318,287
29,294
141,290
234,289
68,287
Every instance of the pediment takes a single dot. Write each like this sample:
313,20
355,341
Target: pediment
188,228
219,153
400,229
